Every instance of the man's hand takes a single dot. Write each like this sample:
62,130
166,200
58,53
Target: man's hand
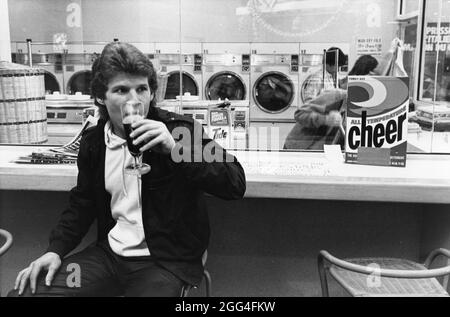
49,261
150,134
333,119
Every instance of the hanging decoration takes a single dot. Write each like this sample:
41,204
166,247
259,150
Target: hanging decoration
256,14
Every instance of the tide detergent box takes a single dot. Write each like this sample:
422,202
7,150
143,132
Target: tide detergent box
377,120
219,126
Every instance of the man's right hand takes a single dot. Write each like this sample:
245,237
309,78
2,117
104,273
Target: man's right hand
50,261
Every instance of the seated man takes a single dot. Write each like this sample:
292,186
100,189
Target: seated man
152,229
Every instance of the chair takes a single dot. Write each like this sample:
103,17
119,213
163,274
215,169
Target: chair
8,243
187,288
385,276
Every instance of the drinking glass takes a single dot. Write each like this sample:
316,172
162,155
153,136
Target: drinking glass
133,112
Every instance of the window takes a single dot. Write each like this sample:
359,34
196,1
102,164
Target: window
199,39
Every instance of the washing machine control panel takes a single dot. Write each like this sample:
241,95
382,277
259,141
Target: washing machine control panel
294,63
245,63
198,60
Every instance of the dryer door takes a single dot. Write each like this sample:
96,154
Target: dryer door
51,83
173,85
80,82
225,85
273,92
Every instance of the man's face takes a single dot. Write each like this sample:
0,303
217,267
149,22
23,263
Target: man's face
122,88
331,69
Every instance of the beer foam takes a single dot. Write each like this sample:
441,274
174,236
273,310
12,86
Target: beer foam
132,119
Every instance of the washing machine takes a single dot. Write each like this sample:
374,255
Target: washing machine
78,72
274,100
312,60
53,67
226,71
182,64
44,58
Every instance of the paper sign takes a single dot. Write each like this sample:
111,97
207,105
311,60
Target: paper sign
333,153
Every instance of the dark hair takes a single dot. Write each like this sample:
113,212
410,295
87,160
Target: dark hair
330,57
118,57
364,65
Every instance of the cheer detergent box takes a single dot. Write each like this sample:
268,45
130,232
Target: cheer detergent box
377,120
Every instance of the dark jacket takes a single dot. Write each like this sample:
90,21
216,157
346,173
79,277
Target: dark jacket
174,214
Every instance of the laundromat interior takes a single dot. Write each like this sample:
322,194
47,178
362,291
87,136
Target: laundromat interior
255,58
209,42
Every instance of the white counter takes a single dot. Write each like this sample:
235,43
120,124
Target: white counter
426,179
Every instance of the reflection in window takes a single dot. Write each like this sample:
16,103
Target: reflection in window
173,85
225,85
274,92
80,82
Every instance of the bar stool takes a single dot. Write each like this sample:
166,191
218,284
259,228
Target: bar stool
385,276
8,241
207,277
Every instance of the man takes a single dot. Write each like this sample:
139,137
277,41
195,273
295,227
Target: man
318,82
152,230
320,121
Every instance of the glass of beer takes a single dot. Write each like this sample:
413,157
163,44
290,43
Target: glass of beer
133,112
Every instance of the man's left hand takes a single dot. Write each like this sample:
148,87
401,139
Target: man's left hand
151,134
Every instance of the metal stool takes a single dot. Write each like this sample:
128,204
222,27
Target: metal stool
187,288
8,243
385,276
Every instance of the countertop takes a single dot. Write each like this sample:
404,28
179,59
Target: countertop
283,175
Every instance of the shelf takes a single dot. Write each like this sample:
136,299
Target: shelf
279,175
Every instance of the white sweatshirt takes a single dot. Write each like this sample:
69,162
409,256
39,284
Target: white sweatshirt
127,238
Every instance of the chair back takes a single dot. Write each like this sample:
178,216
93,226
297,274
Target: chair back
9,239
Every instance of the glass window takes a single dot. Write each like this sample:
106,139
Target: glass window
188,84
268,58
409,6
225,85
432,106
274,92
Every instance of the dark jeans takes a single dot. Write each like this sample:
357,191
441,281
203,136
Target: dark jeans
103,273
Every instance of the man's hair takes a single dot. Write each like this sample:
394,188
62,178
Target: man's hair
330,57
364,65
118,57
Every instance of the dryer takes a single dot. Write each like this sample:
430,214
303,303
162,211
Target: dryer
44,58
275,81
226,71
53,67
182,63
78,69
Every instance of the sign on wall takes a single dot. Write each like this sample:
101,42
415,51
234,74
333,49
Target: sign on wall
437,38
369,46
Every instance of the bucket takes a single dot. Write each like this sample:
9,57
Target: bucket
23,115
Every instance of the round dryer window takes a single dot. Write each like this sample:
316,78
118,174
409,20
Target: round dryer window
225,85
50,83
173,85
273,92
80,82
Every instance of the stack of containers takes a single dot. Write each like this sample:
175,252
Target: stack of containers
23,115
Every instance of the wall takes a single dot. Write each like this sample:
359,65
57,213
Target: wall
258,247
201,20
5,47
